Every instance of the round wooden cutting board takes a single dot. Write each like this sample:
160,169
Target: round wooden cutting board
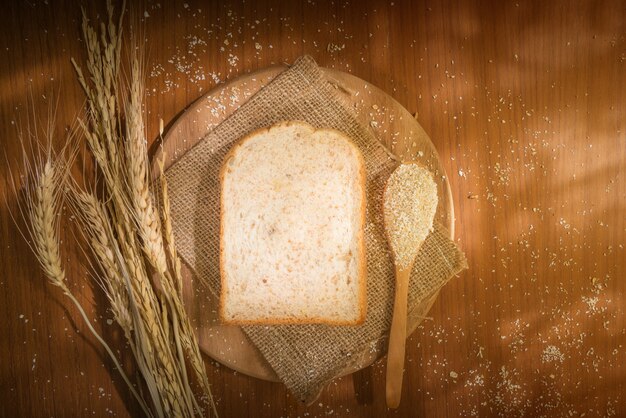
391,123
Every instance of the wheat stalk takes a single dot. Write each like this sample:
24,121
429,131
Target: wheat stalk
126,232
138,173
42,201
161,332
189,342
152,232
98,231
168,230
43,210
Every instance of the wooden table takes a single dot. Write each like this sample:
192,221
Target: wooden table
524,101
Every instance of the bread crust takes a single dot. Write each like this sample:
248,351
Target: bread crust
362,275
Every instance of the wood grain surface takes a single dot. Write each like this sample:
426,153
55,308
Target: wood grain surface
524,101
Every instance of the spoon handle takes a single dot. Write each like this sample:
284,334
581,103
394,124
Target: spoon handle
397,339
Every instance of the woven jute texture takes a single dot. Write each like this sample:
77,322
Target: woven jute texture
305,357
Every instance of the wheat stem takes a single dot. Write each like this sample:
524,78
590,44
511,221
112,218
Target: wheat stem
139,399
190,344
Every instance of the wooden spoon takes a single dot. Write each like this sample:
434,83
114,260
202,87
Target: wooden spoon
409,206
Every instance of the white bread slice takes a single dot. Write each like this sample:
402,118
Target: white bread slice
292,246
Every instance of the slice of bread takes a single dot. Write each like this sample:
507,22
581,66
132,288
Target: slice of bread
292,248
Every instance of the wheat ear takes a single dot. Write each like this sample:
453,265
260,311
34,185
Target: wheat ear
42,211
147,217
188,341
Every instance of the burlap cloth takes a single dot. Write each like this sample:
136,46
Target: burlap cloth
305,357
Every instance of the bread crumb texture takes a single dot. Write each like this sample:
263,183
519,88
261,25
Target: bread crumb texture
292,215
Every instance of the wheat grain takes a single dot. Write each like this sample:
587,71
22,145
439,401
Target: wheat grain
98,230
137,163
167,229
44,208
